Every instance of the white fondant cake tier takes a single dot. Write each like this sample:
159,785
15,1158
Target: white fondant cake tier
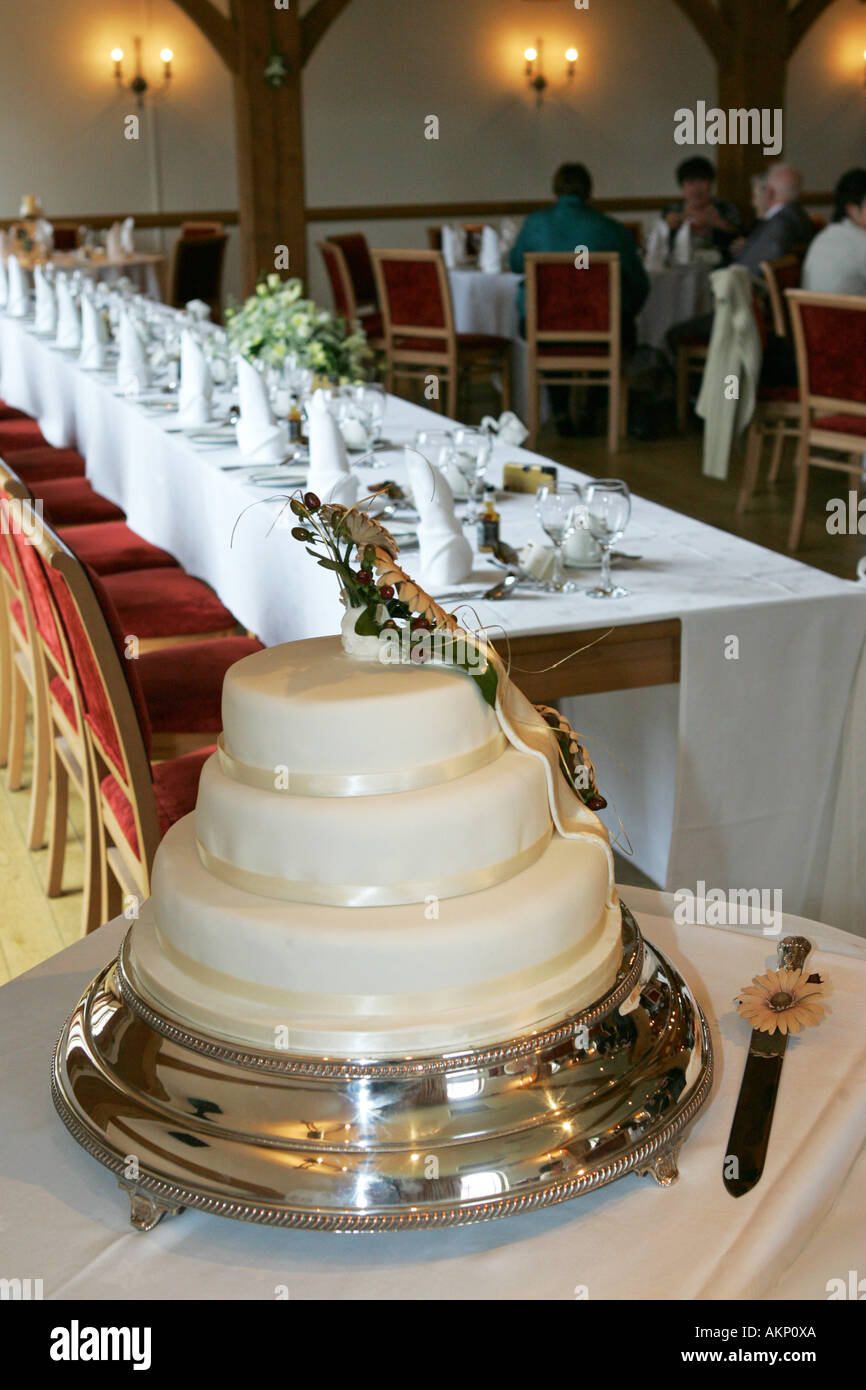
377,981
309,708
455,837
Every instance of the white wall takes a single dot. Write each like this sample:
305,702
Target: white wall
383,67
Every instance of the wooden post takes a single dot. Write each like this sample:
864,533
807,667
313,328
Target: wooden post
269,135
751,41
261,40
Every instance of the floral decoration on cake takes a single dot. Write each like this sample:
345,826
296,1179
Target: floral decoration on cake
383,601
576,762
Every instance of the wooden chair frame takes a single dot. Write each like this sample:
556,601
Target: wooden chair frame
573,368
854,445
336,250
68,757
691,358
415,364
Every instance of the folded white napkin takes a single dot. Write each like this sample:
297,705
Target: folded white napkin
196,383
682,248
509,428
538,560
658,246
444,553
4,283
46,304
94,334
197,309
453,246
133,368
127,236
68,320
259,436
490,255
18,296
329,476
113,242
509,229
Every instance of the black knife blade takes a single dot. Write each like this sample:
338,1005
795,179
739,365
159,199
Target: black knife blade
746,1150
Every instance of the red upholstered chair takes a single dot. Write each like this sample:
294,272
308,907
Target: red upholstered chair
42,462
830,339
64,236
777,411
420,338
198,229
10,412
20,432
110,717
359,264
343,290
197,271
573,330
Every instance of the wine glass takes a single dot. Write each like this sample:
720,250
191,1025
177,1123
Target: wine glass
472,454
555,512
608,508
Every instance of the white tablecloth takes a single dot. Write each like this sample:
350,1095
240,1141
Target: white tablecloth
64,1220
734,777
485,303
680,293
142,269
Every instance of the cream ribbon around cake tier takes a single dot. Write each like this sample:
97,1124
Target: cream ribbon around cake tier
362,784
369,894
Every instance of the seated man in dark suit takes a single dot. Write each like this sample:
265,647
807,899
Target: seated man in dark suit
569,223
785,227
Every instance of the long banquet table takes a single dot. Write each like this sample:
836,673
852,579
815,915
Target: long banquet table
732,763
64,1220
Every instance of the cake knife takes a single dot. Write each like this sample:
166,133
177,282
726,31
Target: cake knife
753,1117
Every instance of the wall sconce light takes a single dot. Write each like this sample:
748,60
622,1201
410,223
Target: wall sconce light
139,84
864,67
533,70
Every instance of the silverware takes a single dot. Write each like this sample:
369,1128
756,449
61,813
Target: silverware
499,590
753,1118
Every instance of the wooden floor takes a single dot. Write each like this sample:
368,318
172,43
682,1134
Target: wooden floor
33,927
667,471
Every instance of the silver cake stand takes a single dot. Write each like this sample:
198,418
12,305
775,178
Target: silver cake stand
187,1120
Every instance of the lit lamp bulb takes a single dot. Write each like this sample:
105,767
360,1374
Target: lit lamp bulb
530,54
117,59
166,55
571,59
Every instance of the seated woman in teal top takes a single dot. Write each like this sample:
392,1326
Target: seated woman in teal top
570,223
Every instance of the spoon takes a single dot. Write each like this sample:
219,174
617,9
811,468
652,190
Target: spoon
499,590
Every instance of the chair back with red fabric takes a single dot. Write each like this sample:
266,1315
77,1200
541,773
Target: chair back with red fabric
572,311
64,236
197,271
191,230
359,264
416,304
830,337
780,275
109,689
340,282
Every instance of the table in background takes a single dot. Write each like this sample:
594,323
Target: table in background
66,1221
143,268
677,294
748,766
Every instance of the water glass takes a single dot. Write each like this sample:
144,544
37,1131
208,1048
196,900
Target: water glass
608,508
555,512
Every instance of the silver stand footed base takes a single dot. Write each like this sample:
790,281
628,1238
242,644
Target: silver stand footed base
187,1120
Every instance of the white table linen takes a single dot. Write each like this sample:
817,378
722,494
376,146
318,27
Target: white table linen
485,302
680,293
64,1219
734,777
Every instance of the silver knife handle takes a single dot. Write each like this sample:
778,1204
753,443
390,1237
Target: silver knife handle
792,952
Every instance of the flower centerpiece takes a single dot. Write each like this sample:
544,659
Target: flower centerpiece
277,324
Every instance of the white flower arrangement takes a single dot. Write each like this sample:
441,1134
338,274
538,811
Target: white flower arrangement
276,323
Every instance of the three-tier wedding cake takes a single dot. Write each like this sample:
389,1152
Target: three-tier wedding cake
387,857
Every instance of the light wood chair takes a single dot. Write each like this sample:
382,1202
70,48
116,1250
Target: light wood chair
574,331
830,341
777,410
420,337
